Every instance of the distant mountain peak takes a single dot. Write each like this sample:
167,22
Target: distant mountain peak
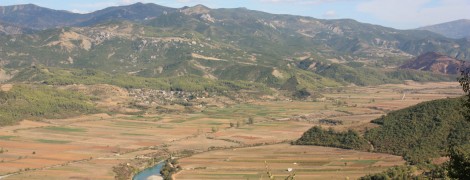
461,20
140,4
198,9
449,23
40,18
454,29
21,7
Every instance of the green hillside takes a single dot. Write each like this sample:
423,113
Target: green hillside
359,74
189,83
421,132
319,137
39,101
224,44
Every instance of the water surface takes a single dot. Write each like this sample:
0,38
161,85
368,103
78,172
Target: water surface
152,173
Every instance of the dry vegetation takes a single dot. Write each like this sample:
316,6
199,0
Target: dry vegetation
88,147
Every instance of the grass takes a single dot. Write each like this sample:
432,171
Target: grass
64,129
134,134
7,137
273,160
237,111
165,127
143,118
246,128
362,162
178,121
132,124
215,123
267,124
321,170
49,141
238,175
134,117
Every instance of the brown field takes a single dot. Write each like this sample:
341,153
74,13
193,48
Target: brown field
308,162
87,147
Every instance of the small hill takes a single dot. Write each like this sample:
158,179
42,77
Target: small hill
455,29
435,62
330,138
421,132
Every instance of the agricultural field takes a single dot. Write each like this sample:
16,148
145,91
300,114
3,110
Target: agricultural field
89,146
307,162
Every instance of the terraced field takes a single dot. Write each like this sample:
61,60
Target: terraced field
308,162
88,147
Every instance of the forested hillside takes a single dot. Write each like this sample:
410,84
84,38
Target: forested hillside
188,83
418,133
320,137
39,101
421,132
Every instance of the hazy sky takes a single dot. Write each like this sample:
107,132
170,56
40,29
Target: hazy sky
401,14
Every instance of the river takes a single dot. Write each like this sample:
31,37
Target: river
152,173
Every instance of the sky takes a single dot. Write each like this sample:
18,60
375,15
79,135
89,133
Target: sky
400,14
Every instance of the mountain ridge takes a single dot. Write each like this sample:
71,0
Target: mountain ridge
36,17
40,18
454,29
226,44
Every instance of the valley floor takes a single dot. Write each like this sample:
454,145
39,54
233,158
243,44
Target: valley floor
88,147
307,162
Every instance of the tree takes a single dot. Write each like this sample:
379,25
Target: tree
301,94
459,153
459,162
464,81
250,120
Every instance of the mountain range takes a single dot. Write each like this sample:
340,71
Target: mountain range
455,29
220,44
40,18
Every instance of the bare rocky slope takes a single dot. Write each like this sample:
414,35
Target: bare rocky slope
435,62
